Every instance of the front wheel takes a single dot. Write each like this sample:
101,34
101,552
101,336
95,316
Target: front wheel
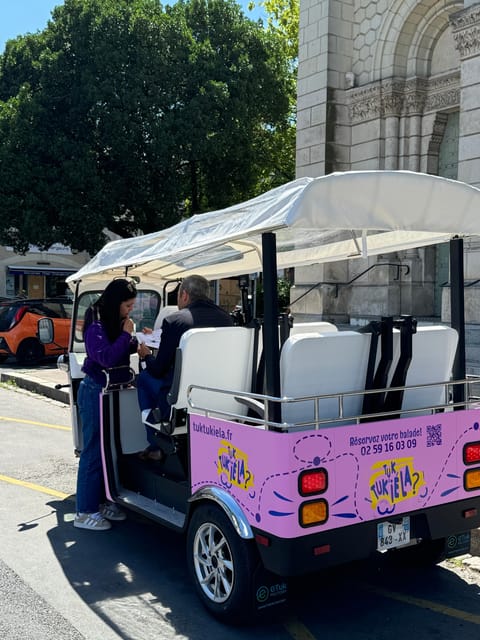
221,565
30,351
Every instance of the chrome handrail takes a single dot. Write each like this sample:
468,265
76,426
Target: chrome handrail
264,401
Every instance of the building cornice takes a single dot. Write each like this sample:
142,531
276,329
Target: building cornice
395,97
466,31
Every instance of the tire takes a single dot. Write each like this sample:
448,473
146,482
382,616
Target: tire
3,358
30,351
221,565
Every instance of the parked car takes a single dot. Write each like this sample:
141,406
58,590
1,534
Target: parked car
18,328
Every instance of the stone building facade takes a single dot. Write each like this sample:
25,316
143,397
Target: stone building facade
392,84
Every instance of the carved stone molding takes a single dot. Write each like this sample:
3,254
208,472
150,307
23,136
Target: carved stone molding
438,132
443,92
392,95
443,100
397,97
445,82
466,17
415,95
365,103
466,31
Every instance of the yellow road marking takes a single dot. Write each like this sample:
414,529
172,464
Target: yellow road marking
424,604
35,487
297,630
38,424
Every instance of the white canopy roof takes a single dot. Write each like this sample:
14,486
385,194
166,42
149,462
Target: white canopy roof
380,211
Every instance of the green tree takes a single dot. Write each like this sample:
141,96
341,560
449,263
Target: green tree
283,19
126,116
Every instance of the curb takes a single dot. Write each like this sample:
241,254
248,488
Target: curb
35,387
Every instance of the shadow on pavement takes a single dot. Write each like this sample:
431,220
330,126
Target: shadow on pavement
135,563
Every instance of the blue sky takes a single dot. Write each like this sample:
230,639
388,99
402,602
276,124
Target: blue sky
18,17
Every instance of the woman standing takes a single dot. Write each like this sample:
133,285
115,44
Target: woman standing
108,340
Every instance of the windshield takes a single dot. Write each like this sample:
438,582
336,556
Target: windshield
147,305
7,316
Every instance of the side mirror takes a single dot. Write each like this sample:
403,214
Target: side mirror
63,363
45,330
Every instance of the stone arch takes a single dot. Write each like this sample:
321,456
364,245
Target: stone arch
410,30
428,32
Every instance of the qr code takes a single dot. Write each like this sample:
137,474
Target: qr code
434,435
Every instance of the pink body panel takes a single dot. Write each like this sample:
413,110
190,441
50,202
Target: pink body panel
374,469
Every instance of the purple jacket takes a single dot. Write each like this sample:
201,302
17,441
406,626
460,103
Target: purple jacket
103,354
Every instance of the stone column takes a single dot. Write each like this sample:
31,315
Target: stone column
392,101
414,107
466,33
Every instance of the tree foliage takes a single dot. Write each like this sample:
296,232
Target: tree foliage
124,115
283,19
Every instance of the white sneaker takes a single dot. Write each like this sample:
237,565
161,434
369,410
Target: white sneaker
110,511
91,521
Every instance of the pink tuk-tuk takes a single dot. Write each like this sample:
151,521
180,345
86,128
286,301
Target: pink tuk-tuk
291,451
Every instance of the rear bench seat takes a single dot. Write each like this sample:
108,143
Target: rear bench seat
336,362
313,364
433,352
218,357
312,327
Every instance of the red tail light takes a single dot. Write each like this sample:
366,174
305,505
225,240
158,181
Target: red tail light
471,453
21,311
312,482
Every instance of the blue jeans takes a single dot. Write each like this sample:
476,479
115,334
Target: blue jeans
152,394
90,483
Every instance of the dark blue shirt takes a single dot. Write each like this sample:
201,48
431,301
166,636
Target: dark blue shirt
200,313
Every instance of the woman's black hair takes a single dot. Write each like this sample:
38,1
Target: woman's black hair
107,307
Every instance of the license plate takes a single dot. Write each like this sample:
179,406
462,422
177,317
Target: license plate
393,534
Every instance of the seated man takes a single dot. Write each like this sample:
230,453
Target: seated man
155,380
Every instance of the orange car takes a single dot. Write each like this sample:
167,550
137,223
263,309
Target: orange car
18,328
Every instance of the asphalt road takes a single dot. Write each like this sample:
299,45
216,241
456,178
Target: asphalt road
131,582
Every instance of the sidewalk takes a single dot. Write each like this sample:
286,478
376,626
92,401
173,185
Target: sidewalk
41,380
44,379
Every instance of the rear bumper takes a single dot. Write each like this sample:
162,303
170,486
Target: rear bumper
300,556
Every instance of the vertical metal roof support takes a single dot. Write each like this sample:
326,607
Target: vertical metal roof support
457,313
270,324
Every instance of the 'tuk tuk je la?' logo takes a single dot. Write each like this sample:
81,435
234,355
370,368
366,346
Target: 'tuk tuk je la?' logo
394,481
234,464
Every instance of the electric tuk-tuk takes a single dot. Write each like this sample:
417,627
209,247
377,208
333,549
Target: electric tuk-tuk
287,457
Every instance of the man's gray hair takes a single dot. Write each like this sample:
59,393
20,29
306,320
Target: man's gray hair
197,287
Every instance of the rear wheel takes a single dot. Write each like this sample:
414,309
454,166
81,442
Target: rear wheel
221,565
30,351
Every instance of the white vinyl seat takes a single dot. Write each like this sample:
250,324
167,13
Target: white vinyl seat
162,314
312,327
433,353
219,358
320,364
301,327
